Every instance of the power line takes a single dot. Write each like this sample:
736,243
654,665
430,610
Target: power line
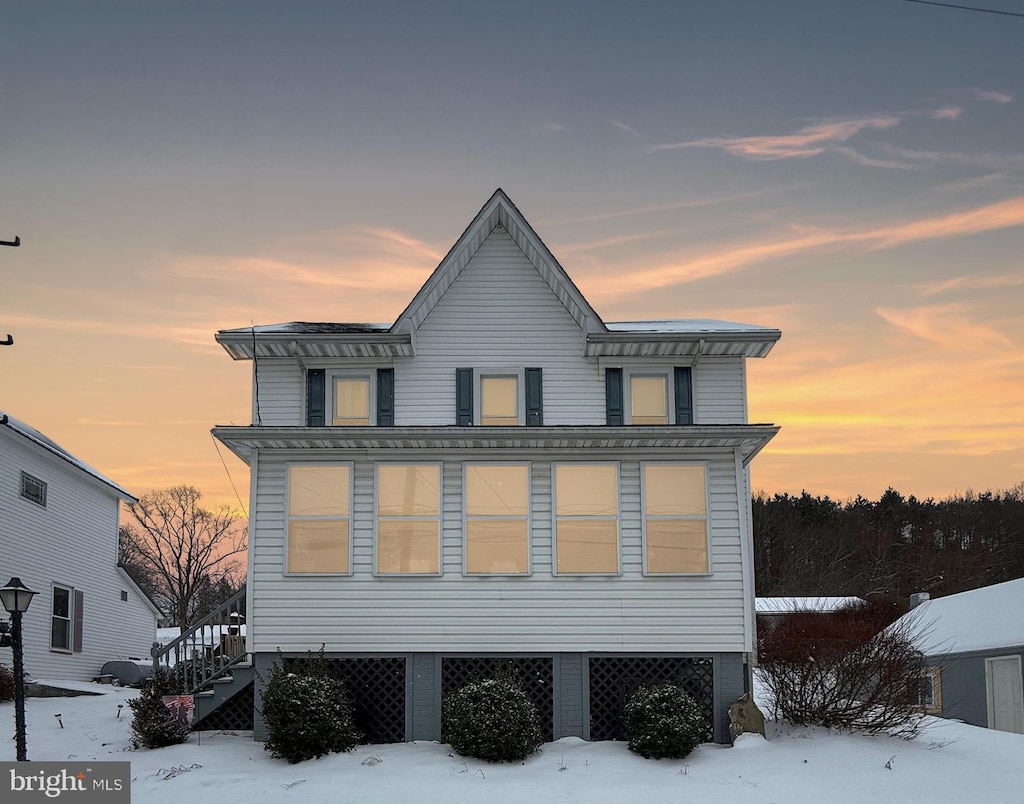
228,472
968,8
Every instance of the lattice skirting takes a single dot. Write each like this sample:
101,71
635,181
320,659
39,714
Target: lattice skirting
535,673
235,714
614,678
377,687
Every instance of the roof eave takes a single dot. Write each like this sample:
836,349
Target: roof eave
243,346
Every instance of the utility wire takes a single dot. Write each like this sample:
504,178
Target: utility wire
231,479
968,8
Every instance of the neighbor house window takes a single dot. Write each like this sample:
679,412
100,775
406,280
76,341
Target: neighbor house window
408,519
319,519
930,690
586,518
61,619
352,403
497,526
499,401
34,489
648,399
675,519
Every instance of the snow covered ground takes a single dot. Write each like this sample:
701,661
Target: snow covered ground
950,762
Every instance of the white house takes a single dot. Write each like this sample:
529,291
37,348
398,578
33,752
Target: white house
500,475
973,643
58,533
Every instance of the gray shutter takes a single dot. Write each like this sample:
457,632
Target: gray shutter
464,396
684,396
79,619
534,397
386,397
613,395
316,398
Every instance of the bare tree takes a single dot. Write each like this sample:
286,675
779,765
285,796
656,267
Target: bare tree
184,548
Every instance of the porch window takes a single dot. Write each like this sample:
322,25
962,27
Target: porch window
499,401
586,518
408,519
497,519
319,520
675,519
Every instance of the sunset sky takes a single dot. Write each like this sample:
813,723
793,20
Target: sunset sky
849,172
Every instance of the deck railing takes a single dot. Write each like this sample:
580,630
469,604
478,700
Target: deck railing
208,649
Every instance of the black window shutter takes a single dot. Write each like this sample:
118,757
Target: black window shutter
684,396
464,396
613,395
316,406
79,619
534,397
386,397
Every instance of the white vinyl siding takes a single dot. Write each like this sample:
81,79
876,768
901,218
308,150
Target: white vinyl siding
719,395
282,390
72,542
499,314
455,612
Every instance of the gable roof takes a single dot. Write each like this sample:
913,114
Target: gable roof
980,619
52,447
499,211
665,338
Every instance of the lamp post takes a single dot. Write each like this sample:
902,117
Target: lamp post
16,598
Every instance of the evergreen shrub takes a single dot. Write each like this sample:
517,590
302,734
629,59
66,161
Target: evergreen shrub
663,721
153,725
308,715
492,719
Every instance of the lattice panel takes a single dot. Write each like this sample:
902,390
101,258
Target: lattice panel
535,673
235,714
377,687
614,678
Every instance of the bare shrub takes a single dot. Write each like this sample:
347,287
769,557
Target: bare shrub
849,669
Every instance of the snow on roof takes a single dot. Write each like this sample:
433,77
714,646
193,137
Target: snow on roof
53,447
990,617
311,328
788,605
694,325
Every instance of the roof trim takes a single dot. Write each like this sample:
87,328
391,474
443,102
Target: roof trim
749,438
52,447
498,211
243,344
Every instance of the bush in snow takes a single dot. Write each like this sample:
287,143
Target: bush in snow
662,721
153,725
848,670
493,720
308,715
6,684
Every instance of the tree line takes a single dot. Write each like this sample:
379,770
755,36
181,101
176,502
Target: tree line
893,547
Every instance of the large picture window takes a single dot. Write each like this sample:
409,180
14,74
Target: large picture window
587,518
497,519
319,519
408,519
675,519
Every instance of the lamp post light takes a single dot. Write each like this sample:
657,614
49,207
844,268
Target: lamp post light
16,598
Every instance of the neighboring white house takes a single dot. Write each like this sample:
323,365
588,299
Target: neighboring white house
58,533
502,475
973,643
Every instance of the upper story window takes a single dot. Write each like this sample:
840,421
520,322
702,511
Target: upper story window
34,489
351,400
497,518
675,519
586,508
649,396
408,519
499,401
319,518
